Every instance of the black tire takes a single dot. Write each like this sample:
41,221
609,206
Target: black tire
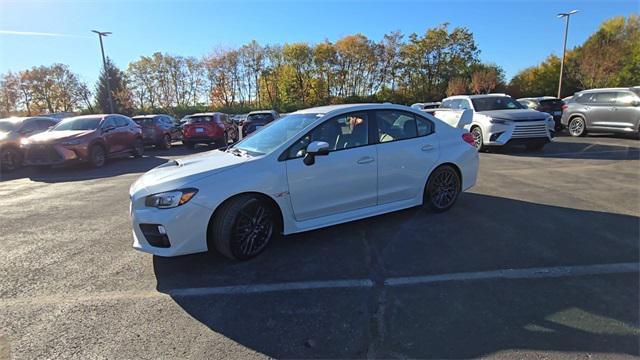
243,227
577,127
477,138
188,145
10,159
534,146
165,142
442,189
138,148
97,156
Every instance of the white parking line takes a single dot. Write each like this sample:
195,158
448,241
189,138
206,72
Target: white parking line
262,288
530,273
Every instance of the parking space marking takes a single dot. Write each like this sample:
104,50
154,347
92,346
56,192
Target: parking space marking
530,273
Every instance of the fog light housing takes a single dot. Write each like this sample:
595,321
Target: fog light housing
495,136
156,235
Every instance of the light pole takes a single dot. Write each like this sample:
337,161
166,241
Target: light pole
564,49
104,63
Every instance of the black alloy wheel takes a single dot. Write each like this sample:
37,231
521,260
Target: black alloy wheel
443,188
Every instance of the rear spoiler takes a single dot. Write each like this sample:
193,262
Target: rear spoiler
466,116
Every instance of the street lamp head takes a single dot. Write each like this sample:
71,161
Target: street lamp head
561,15
101,33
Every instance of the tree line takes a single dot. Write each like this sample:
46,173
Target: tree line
398,68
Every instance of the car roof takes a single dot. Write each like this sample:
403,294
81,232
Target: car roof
478,96
607,89
333,109
205,114
148,116
538,98
262,112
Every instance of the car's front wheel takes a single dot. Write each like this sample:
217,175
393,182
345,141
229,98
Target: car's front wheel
243,227
97,156
10,159
442,189
577,127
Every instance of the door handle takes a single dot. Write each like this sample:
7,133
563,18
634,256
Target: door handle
427,147
365,160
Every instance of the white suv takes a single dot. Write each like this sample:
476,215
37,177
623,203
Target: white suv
498,119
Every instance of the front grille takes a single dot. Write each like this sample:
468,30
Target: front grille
43,154
530,131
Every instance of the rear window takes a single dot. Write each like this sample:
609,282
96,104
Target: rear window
551,102
200,119
260,117
7,126
143,121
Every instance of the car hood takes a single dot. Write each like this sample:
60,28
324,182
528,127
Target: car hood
55,136
178,173
515,115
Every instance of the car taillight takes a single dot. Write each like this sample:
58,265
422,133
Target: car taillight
468,138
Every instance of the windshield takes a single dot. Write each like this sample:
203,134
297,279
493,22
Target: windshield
6,126
276,133
495,103
83,123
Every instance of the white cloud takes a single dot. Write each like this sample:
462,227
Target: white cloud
33,33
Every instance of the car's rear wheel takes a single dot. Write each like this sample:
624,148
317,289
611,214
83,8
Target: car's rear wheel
165,142
577,127
138,148
243,227
477,138
97,156
442,189
10,159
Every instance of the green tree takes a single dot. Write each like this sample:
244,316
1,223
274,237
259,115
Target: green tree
122,103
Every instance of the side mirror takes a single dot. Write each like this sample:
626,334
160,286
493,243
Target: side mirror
108,128
316,148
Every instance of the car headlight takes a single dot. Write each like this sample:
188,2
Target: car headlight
25,142
170,199
500,121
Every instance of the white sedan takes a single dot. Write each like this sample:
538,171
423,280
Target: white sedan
310,169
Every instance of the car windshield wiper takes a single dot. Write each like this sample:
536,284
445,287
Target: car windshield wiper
238,152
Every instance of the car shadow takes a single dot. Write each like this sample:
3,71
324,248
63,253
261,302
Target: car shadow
114,167
568,149
593,314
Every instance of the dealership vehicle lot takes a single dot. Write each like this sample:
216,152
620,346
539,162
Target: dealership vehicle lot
406,284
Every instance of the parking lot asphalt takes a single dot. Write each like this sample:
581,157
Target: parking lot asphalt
539,259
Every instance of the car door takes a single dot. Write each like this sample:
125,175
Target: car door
343,180
111,135
600,109
407,149
626,113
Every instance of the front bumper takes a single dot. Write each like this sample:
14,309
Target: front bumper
521,131
56,154
185,227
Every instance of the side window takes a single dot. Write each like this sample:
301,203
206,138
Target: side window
625,99
341,132
425,127
120,121
455,104
45,124
29,127
395,125
464,104
109,122
446,104
605,98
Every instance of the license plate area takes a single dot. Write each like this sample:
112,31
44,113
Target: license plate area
199,130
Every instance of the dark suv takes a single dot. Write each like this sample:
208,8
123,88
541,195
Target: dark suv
13,131
548,104
91,138
159,130
257,119
603,110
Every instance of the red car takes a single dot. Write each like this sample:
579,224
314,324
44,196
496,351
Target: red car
158,130
90,138
209,128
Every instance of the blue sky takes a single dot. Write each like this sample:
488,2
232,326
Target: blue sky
513,34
